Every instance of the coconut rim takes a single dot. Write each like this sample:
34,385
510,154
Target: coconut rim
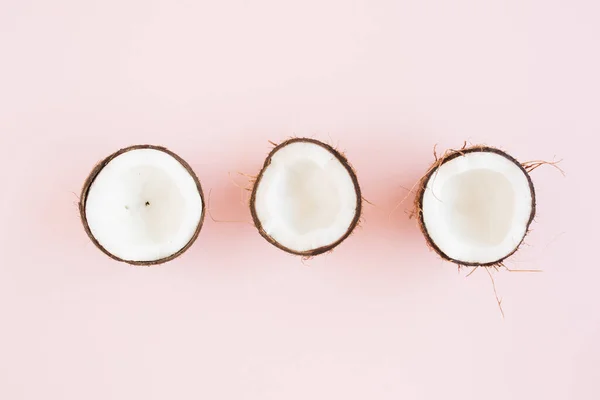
342,159
451,156
90,181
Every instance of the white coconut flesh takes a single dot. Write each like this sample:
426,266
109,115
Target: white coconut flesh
477,207
306,198
143,206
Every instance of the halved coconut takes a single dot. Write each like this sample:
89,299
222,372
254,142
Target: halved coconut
142,205
475,206
306,199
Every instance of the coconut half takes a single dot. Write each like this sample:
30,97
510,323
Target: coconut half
475,206
306,199
142,205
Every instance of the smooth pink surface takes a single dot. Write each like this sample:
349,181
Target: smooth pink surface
381,317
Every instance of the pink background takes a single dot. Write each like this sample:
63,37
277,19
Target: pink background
381,317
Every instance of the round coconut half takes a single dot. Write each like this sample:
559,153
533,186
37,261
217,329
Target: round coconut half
306,199
475,206
142,205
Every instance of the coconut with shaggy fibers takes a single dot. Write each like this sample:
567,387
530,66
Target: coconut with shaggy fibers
306,199
142,205
475,205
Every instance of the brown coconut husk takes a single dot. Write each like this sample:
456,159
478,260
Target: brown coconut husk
422,186
90,180
306,255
